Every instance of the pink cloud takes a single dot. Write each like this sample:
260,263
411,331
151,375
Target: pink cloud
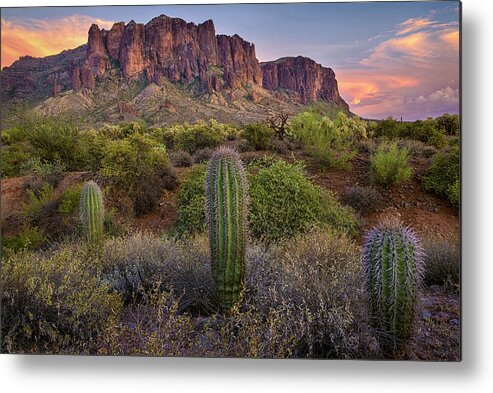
420,59
41,37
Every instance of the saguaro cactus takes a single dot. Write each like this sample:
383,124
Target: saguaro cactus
226,200
393,268
92,212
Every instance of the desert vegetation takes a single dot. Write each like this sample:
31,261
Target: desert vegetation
318,235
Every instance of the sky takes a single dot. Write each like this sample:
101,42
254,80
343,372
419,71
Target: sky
396,59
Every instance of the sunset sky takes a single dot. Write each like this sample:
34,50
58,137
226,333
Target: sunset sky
399,59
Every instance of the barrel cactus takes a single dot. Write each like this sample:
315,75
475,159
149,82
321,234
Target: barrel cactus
226,204
92,212
393,268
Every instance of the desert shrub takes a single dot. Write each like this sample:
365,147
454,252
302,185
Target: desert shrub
437,139
199,135
137,167
442,258
30,238
389,165
443,175
388,128
191,200
302,299
35,167
417,148
362,199
70,200
449,124
329,143
258,135
283,203
13,157
54,302
202,155
57,140
368,146
37,202
181,158
142,262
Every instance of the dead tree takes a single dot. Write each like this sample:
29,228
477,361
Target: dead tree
278,123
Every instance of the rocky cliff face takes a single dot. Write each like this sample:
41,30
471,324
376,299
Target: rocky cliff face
305,79
173,49
169,49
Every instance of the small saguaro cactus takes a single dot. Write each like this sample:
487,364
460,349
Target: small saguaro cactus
393,268
92,212
226,200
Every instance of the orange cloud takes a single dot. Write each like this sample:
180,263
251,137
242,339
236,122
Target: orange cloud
451,38
42,37
414,24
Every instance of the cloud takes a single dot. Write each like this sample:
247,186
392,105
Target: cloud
43,37
413,72
414,24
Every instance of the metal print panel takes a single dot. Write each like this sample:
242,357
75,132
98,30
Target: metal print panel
237,180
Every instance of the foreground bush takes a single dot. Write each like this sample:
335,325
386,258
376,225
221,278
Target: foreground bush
54,302
389,165
302,299
283,203
443,175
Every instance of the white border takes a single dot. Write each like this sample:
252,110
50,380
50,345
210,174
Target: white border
90,374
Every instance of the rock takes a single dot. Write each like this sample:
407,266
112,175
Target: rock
307,79
97,56
75,78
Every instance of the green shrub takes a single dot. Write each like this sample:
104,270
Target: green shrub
283,203
30,238
14,156
36,203
449,124
199,135
70,200
443,175
389,128
54,302
137,167
35,167
329,143
191,202
442,258
202,155
389,165
258,135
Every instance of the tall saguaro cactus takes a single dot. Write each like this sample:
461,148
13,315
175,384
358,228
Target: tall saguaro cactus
393,267
92,212
226,196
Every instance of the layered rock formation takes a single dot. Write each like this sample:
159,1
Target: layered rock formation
173,49
170,49
308,80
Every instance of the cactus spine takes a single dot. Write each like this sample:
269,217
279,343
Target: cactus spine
393,267
92,211
226,199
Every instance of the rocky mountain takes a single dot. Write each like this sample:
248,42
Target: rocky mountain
215,69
